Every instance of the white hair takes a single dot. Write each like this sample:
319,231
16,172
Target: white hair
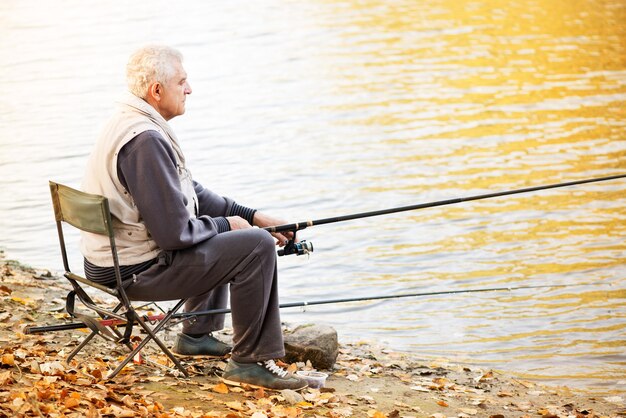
148,65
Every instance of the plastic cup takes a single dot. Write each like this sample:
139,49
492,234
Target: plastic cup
314,379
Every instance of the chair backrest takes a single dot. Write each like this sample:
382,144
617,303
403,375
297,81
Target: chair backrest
87,212
90,213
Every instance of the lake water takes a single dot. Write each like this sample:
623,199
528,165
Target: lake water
310,109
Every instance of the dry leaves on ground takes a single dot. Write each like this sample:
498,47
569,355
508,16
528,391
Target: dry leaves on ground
36,381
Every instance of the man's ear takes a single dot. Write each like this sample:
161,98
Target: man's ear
155,91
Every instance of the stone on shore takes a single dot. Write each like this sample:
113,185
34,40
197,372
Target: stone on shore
315,343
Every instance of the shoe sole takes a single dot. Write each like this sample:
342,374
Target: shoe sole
200,356
240,384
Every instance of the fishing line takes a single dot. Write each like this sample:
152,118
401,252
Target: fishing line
304,304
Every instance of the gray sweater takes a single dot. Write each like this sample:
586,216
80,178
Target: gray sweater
146,167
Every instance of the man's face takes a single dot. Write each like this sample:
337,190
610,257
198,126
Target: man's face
173,93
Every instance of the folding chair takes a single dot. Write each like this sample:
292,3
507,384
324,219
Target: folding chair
90,213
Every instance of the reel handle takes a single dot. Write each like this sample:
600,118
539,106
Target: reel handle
297,248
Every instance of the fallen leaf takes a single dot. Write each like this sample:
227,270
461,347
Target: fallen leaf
83,382
486,376
17,403
340,412
51,368
128,401
478,401
33,366
120,413
259,393
71,402
70,377
524,383
97,373
442,403
24,301
48,380
523,406
5,378
536,392
220,388
42,395
8,359
236,405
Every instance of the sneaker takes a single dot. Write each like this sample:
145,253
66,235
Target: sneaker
207,345
264,374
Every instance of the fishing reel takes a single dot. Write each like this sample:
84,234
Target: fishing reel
297,248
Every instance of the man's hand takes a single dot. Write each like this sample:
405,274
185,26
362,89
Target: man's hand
237,222
261,220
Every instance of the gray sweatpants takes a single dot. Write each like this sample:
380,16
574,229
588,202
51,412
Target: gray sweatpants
245,259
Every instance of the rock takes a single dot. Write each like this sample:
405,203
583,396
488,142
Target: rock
291,397
316,343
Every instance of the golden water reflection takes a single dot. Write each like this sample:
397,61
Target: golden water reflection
468,97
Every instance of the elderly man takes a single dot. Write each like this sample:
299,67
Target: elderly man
177,239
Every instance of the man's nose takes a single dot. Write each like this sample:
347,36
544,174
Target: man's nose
187,88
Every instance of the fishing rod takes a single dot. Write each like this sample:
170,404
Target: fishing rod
188,315
303,247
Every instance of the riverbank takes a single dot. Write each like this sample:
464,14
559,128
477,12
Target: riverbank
367,381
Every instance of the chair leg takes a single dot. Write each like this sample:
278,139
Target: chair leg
166,350
116,332
93,334
152,336
89,338
80,346
128,358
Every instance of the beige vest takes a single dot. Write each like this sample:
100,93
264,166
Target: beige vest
133,241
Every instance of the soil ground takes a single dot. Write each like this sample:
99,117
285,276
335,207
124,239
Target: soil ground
366,381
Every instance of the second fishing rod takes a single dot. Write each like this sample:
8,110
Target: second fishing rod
302,304
304,247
